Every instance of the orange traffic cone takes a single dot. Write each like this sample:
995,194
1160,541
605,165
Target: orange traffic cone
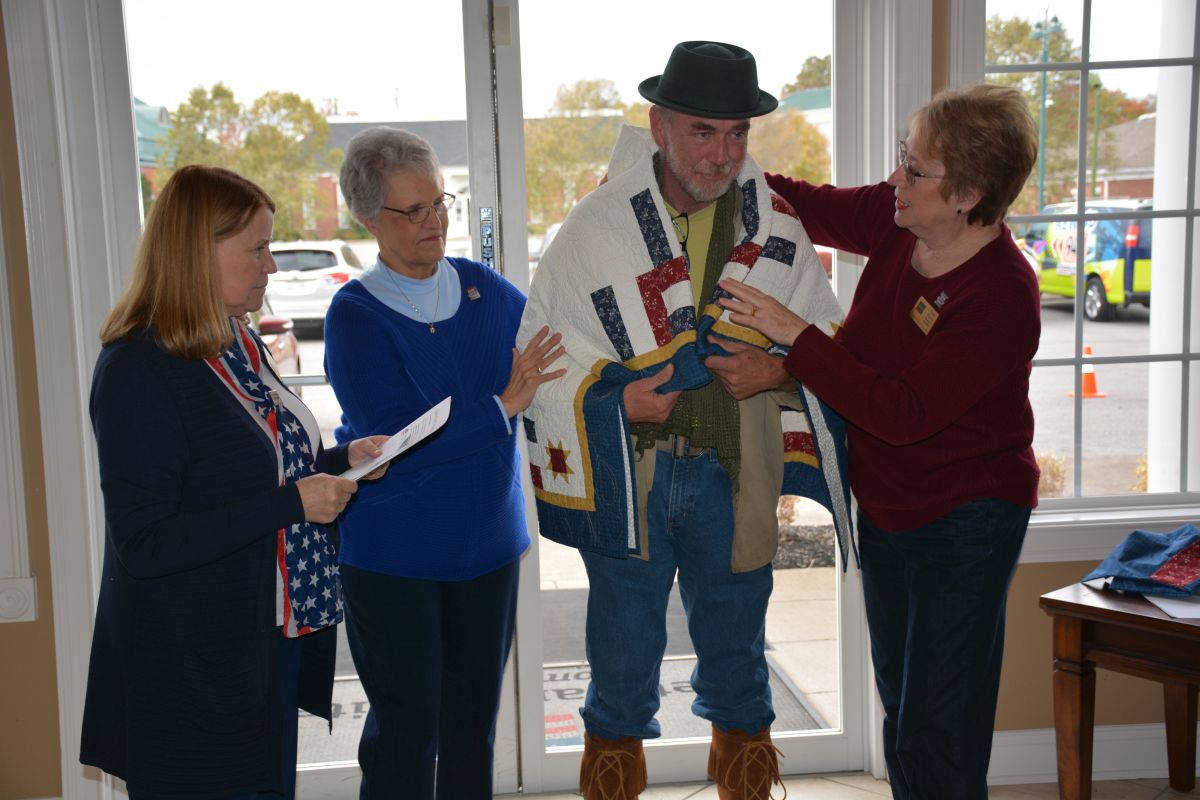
1088,375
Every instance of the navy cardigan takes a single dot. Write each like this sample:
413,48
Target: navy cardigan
184,663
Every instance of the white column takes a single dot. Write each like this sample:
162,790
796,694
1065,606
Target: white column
1164,434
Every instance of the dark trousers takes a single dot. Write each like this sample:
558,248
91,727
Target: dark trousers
935,600
431,658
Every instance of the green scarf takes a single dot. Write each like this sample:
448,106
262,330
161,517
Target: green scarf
707,416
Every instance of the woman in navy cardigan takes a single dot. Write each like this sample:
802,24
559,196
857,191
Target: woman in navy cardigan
430,553
216,500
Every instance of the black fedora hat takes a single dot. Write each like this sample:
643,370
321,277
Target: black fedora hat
709,79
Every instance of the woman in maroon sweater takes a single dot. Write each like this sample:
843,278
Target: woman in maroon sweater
931,371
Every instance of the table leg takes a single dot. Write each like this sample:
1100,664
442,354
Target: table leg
1179,699
1074,710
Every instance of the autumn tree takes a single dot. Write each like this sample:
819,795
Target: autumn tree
567,151
1011,41
815,73
279,142
787,143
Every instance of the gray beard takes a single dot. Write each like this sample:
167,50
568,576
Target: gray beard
694,190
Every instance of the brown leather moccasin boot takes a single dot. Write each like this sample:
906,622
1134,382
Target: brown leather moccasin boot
745,766
612,769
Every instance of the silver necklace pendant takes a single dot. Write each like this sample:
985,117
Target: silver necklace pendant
437,299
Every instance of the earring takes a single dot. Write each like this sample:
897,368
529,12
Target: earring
959,211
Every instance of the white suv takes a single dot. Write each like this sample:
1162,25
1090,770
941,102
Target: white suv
309,273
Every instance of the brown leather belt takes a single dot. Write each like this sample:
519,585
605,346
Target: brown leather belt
679,446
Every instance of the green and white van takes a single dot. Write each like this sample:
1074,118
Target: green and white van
1116,262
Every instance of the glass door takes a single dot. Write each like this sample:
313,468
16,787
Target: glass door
564,84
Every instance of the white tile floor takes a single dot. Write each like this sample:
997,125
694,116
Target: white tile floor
856,786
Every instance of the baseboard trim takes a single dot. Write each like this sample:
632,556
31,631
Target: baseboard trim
1118,752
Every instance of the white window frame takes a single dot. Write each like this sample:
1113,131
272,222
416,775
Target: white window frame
1088,528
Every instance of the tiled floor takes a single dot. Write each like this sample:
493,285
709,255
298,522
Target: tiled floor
854,786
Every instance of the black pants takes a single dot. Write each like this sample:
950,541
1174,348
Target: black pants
935,601
431,658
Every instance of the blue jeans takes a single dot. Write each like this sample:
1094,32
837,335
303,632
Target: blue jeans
431,658
935,598
691,533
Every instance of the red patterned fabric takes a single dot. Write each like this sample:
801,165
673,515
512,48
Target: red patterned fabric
782,206
798,442
745,254
651,285
1182,569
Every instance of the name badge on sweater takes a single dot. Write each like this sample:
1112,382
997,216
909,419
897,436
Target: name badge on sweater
924,315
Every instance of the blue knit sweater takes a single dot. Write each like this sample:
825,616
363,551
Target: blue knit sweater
452,507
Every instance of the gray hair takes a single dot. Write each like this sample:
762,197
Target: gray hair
371,158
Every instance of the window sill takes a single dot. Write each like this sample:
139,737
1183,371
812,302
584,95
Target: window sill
1058,532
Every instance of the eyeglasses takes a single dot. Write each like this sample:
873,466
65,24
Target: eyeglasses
418,214
912,174
682,228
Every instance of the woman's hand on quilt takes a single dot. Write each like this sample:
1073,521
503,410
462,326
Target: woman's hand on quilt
529,370
760,312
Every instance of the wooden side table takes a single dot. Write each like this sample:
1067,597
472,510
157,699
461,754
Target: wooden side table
1126,633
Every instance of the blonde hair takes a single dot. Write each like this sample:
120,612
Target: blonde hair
986,139
175,289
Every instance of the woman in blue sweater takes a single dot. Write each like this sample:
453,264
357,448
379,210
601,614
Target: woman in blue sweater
430,554
214,621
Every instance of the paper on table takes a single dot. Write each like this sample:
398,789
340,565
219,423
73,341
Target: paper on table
421,427
1174,607
1177,607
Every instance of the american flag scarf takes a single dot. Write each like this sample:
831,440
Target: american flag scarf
305,555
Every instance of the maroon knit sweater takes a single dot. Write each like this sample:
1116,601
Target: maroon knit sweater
935,419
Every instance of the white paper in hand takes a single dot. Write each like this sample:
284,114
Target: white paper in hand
421,427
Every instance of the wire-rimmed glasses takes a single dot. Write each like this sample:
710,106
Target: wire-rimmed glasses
909,171
418,214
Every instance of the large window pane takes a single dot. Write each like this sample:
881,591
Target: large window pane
1110,265
1123,30
1114,434
1054,432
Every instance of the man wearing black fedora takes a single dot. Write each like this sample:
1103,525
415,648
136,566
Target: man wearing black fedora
642,460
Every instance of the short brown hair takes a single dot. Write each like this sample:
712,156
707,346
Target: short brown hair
985,138
174,288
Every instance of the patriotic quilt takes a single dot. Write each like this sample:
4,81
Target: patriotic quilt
616,284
